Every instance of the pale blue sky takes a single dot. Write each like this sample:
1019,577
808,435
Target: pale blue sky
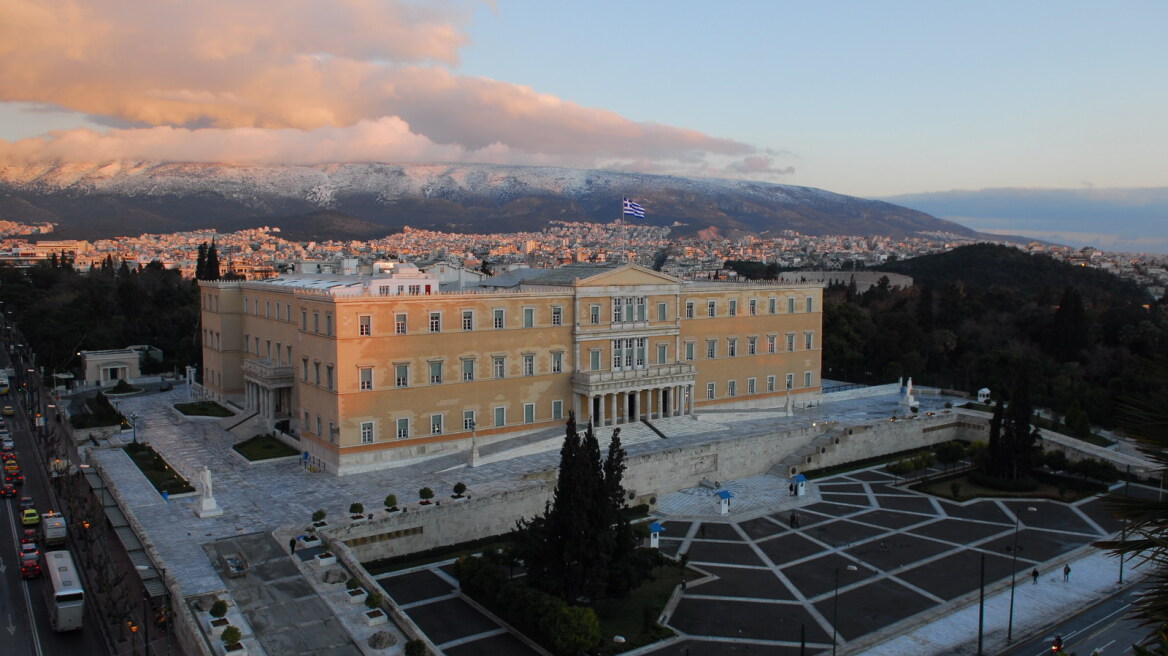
862,98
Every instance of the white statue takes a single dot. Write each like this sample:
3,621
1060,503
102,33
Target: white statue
206,476
207,507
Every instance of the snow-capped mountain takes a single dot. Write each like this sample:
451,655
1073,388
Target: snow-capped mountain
372,199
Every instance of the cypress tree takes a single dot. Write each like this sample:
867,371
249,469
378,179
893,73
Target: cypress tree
211,268
201,262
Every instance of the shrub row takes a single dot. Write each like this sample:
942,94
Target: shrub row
565,630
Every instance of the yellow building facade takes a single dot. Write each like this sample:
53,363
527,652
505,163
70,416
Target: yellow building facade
371,370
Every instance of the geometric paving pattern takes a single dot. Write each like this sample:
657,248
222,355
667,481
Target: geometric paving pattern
894,553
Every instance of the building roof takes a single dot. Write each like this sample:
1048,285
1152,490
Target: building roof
654,527
725,494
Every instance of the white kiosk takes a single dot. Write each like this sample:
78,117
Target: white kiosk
724,497
655,531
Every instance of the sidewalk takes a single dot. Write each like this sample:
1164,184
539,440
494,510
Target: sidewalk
1094,574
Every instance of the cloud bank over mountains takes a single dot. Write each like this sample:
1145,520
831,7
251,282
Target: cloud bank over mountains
302,81
1126,220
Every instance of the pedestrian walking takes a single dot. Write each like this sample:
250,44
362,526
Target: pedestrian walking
1066,572
1034,575
292,545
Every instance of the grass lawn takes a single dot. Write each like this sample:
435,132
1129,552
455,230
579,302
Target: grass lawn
626,617
156,470
203,409
264,447
944,489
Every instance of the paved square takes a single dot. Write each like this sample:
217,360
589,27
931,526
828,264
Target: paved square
503,644
958,573
741,582
414,587
450,619
897,550
871,607
726,553
738,619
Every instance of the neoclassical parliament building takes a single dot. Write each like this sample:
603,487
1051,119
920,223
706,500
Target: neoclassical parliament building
367,369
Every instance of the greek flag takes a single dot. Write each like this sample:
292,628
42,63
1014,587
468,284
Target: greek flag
633,209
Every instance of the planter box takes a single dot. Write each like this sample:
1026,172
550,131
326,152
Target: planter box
357,519
357,595
311,541
376,617
325,559
217,625
235,650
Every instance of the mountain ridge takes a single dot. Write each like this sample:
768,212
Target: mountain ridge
143,195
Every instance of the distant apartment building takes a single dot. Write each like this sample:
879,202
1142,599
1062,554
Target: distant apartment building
370,369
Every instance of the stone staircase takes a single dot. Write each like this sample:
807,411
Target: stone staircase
809,456
245,425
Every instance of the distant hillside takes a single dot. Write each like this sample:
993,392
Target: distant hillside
360,201
990,266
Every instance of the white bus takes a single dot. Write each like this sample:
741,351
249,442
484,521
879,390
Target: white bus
63,595
3,382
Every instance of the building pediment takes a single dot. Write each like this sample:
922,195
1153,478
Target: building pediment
630,274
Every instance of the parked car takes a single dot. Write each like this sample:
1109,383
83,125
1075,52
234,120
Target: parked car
29,516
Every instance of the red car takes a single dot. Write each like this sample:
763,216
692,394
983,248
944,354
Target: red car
8,490
14,478
28,536
30,565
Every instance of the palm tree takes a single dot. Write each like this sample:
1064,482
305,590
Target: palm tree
1146,534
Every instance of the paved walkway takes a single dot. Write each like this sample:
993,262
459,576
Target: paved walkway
281,496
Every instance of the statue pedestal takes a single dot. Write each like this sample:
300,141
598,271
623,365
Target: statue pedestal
208,508
908,400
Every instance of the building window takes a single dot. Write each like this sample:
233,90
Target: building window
468,370
689,350
732,388
806,379
247,343
499,366
790,305
403,429
593,314
751,384
528,317
257,346
529,413
364,325
306,426
711,349
771,343
661,312
661,353
304,369
753,305
689,309
316,322
365,378
810,302
468,420
366,432
316,373
557,316
594,359
557,363
808,340
498,317
618,309
435,322
401,375
790,381
528,365
557,409
328,370
770,383
790,341
328,325
384,290
318,431
435,373
467,320
711,308
500,416
435,424
641,316
772,305
733,309
751,345
278,363
399,324
268,309
415,290
304,320
709,390
731,348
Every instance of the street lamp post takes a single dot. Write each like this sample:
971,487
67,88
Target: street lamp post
474,447
835,607
134,424
1014,572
